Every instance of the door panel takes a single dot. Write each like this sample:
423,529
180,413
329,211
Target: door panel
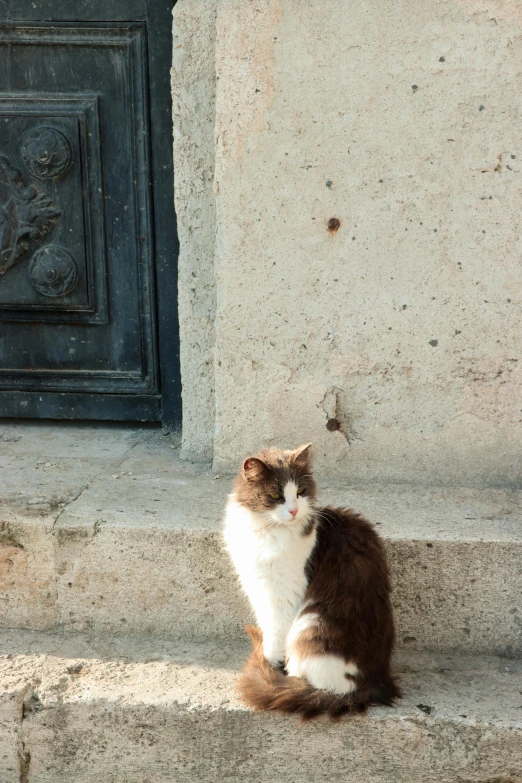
78,236
55,146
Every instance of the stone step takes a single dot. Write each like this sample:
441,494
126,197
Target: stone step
105,528
74,707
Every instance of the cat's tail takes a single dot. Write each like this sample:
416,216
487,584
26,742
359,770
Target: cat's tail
263,687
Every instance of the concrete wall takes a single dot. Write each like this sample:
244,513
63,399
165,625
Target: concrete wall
403,327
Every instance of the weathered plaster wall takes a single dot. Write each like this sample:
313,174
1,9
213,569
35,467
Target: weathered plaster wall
403,327
193,87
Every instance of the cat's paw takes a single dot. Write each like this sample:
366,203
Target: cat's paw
277,660
279,665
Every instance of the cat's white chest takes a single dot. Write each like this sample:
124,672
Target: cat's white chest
271,568
266,550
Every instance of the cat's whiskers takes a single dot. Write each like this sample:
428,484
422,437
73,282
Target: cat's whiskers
268,521
322,518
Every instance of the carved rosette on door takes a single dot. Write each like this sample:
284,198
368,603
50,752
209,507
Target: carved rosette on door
52,271
46,152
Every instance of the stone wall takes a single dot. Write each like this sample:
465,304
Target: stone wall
366,271
193,91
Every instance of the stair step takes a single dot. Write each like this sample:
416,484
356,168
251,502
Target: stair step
107,529
85,708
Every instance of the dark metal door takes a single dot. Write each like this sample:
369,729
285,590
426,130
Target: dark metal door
88,323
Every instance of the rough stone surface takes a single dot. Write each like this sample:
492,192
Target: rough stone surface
11,749
400,120
27,574
43,469
134,545
193,89
124,711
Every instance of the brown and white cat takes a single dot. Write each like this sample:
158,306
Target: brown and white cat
319,585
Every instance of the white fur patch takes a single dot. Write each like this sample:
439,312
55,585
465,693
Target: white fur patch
291,499
326,672
322,671
270,554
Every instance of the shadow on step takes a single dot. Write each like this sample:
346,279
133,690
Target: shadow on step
126,649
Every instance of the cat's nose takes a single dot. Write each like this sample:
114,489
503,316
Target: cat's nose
293,511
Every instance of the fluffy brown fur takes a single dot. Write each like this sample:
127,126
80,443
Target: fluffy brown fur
263,687
350,589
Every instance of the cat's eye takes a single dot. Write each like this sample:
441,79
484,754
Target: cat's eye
276,495
301,492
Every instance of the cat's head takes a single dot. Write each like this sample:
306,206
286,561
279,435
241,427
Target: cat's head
278,485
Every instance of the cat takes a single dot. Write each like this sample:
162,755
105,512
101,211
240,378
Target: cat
319,586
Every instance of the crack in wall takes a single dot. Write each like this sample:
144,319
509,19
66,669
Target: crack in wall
23,752
337,418
106,469
24,757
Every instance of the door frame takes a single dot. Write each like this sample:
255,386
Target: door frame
165,406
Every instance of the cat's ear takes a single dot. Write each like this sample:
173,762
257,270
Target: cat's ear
254,469
303,454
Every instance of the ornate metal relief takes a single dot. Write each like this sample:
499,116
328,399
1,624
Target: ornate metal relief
46,152
55,142
53,271
27,216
